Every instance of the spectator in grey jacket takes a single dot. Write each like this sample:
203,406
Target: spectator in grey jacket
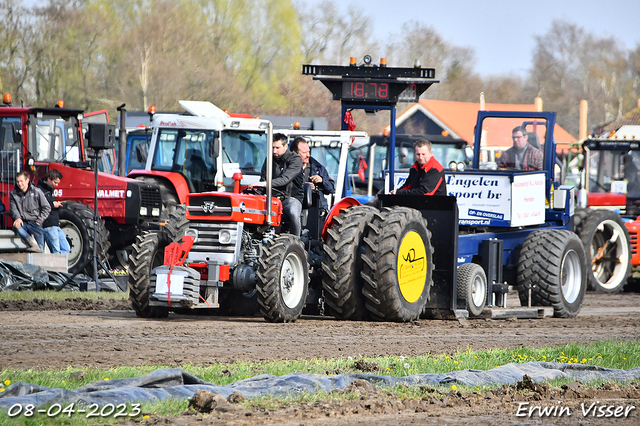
28,209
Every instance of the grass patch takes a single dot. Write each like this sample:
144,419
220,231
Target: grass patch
609,354
61,295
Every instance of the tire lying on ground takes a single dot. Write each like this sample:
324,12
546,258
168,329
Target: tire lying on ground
397,264
76,221
342,263
553,265
472,286
283,279
147,253
607,245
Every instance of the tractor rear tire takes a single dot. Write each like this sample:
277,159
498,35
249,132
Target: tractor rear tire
397,264
607,245
147,253
76,221
283,279
553,265
472,286
342,264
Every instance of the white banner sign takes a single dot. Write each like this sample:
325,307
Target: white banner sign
482,199
528,200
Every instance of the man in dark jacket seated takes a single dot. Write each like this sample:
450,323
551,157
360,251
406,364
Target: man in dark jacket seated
314,172
287,180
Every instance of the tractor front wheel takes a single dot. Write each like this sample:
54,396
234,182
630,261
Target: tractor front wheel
283,279
472,286
147,254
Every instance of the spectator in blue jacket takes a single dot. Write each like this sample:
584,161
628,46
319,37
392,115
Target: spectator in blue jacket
314,172
53,235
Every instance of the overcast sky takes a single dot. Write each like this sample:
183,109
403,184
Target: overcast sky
501,32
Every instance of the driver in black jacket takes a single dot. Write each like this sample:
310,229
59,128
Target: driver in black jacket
287,179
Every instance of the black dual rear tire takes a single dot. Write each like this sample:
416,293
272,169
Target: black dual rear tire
397,264
342,264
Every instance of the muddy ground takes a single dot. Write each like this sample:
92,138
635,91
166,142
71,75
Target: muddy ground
79,333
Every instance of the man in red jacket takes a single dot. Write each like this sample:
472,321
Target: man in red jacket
426,176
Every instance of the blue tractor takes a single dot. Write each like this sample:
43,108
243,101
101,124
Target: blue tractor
499,229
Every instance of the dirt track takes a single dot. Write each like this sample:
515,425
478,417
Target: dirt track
109,334
110,337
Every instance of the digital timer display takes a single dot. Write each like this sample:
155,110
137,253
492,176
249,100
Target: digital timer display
369,90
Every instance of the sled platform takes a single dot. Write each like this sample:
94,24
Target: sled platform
521,312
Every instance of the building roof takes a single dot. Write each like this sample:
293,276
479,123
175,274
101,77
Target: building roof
459,118
630,118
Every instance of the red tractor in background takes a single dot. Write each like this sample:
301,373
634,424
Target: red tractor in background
39,139
609,206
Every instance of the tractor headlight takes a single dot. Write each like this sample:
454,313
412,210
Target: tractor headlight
453,166
224,237
192,233
460,166
155,211
143,211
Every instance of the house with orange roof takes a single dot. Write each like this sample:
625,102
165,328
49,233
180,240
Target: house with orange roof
458,120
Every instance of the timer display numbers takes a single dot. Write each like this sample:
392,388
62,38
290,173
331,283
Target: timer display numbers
369,90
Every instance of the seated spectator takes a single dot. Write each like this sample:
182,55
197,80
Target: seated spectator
28,209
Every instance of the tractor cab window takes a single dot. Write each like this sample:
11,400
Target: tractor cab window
327,153
187,151
242,151
512,143
53,138
10,148
607,167
448,152
138,145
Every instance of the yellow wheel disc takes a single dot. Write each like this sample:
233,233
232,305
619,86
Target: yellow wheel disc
412,266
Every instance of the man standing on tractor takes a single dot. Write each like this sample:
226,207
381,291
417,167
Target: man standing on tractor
287,181
522,155
426,176
53,235
314,172
28,209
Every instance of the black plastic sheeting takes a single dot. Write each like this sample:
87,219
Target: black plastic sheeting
163,384
17,276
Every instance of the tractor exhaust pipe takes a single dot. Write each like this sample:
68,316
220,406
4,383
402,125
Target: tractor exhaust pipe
122,142
269,170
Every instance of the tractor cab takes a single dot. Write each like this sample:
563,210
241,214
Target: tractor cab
198,151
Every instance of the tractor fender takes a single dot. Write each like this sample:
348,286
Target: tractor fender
344,203
175,180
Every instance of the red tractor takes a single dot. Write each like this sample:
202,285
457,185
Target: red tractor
39,139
